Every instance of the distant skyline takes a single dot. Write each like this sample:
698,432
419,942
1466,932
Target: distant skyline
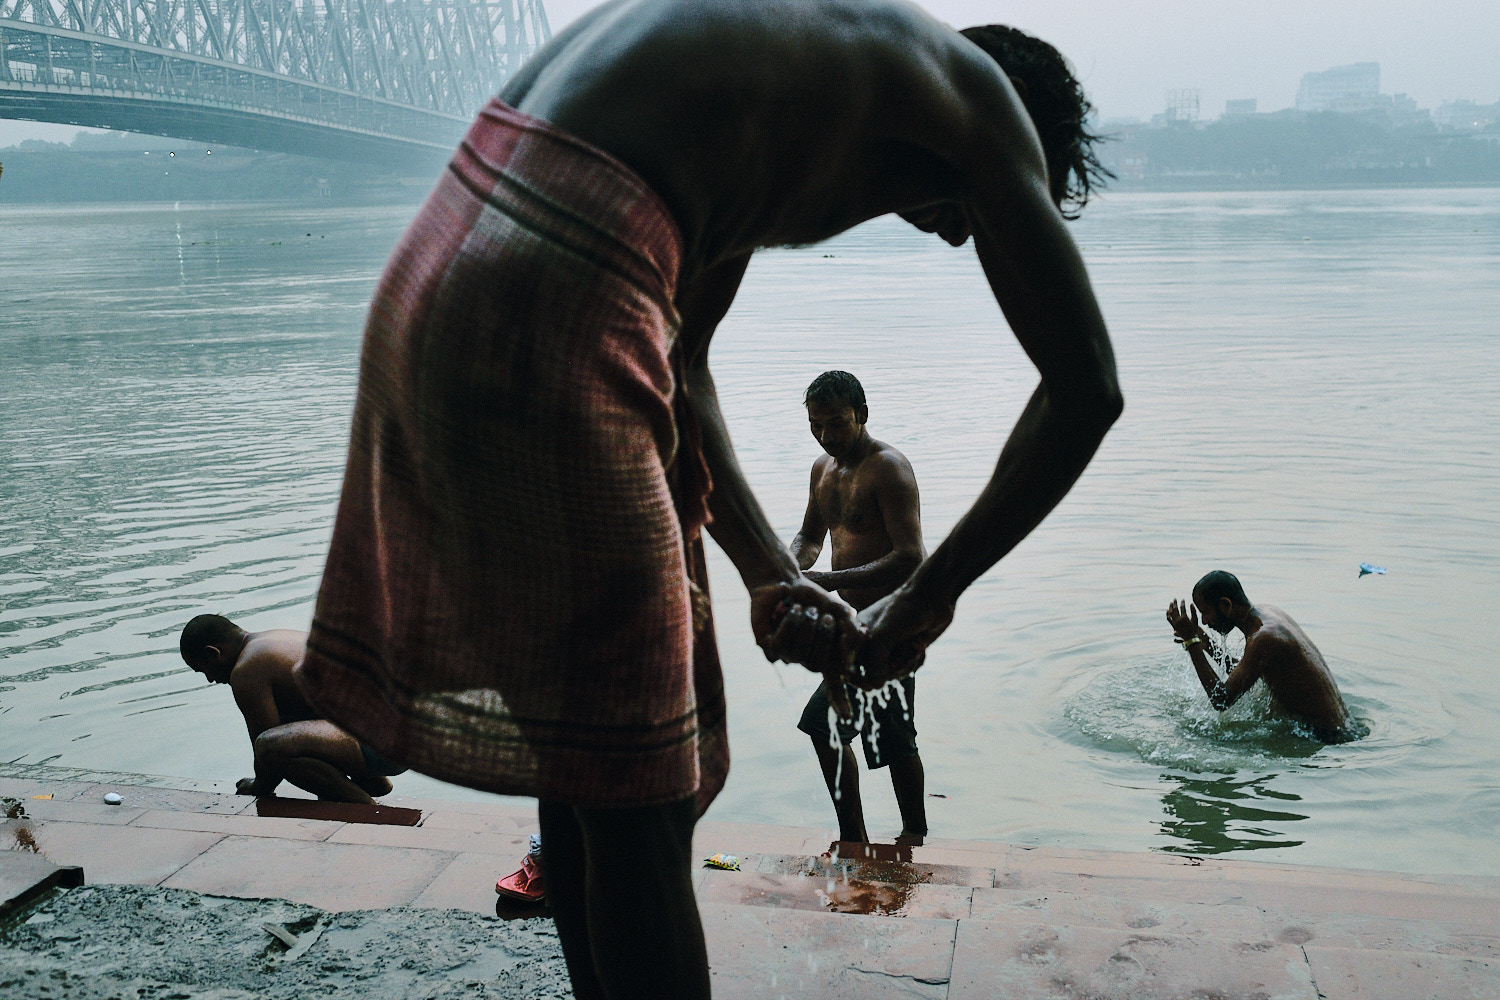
1129,54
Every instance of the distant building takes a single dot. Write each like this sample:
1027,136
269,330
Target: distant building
1182,107
1349,89
1234,109
1466,116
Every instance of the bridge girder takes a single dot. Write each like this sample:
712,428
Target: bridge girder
334,77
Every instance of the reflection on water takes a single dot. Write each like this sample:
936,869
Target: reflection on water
1220,814
1156,708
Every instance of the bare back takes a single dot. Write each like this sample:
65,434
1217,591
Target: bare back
1282,655
773,122
262,681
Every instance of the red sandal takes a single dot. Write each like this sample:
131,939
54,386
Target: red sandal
526,883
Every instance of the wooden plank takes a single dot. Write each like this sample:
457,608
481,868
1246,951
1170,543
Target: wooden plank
342,812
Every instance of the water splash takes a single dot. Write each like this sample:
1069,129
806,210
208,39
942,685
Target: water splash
1154,707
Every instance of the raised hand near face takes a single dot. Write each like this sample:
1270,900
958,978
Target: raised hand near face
1183,617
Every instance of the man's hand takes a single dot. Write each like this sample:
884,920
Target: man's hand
1183,618
801,622
901,626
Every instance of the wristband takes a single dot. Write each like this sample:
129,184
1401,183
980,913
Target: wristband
1188,644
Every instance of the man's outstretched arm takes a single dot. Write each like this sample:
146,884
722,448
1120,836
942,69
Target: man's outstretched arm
1039,280
792,618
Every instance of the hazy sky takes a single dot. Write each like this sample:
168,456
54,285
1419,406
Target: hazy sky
1130,53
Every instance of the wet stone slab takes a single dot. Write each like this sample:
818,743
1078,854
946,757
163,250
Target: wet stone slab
868,870
113,941
826,894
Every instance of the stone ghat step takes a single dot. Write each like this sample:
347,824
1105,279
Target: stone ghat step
1250,904
760,952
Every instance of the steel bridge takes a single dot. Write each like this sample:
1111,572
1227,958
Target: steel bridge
389,80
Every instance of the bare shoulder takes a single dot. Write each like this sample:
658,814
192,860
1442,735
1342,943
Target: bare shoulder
1275,638
890,460
272,651
887,468
883,66
820,468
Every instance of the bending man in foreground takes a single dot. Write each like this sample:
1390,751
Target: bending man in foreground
515,597
290,740
864,492
1277,651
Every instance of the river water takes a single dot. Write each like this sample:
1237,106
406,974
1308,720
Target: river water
1310,382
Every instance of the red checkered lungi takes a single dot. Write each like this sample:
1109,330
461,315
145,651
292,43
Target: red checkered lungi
508,601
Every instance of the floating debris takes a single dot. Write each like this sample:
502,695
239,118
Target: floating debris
1366,569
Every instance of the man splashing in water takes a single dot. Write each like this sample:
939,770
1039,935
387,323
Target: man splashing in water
1277,651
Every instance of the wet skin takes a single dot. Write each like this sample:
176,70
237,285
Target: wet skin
873,107
1276,651
290,740
864,494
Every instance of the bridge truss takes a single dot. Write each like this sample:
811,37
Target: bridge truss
354,79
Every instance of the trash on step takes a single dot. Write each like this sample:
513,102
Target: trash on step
726,862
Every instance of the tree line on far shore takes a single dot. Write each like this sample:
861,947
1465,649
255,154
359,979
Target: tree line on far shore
1285,149
1297,149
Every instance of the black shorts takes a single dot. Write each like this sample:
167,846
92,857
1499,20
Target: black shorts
380,766
896,738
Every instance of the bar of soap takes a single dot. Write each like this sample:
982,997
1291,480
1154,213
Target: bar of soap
112,798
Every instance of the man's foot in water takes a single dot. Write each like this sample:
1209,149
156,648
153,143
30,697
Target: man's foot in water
908,839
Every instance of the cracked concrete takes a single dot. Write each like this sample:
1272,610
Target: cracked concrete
114,940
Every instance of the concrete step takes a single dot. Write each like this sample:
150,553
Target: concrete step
24,876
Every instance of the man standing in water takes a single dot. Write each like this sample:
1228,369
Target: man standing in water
1276,651
864,492
515,596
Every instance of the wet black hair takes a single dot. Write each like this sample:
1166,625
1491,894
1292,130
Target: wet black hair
204,631
1219,584
835,387
1055,100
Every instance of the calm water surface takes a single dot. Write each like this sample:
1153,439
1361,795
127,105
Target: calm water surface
1310,383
